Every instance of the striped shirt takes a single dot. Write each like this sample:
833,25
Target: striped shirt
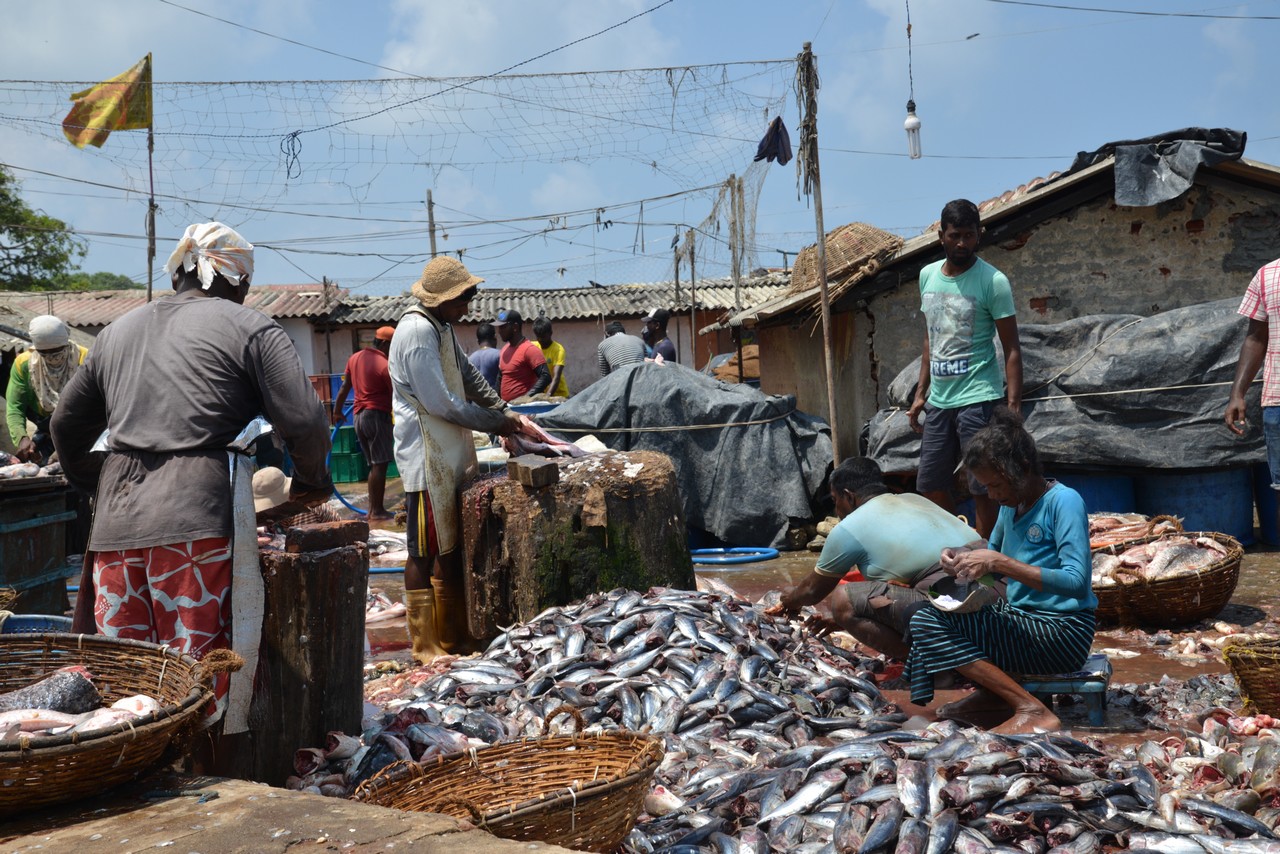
1262,302
619,349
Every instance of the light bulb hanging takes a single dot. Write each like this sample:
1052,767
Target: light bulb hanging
912,123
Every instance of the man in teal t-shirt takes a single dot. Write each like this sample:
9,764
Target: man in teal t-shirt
894,540
966,303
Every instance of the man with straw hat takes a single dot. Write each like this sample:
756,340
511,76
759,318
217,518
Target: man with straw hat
438,399
179,383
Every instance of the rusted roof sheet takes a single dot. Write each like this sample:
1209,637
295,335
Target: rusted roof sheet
98,308
19,319
609,301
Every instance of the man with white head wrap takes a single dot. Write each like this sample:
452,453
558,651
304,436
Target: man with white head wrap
35,382
176,382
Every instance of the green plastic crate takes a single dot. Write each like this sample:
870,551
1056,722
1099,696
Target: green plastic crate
392,471
345,442
348,468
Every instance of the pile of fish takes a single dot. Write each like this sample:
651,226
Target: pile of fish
66,701
777,741
1168,557
1108,529
17,469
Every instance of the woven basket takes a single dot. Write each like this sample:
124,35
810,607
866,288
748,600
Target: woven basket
1256,666
45,770
853,248
1170,602
1147,528
580,791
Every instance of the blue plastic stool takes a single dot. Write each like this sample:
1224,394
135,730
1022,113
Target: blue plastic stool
1090,682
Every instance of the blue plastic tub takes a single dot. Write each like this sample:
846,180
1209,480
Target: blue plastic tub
1267,502
1219,500
1102,493
34,624
533,408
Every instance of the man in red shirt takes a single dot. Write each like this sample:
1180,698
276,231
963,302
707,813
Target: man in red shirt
368,374
521,364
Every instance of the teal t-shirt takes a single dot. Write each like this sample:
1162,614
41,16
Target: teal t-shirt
892,538
1053,535
961,315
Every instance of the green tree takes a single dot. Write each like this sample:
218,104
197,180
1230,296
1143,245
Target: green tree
35,249
82,281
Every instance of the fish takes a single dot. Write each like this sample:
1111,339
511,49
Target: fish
35,720
912,837
811,793
138,705
67,690
884,827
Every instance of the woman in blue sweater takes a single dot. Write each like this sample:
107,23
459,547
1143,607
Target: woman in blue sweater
1044,623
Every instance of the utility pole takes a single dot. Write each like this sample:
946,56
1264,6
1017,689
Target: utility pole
693,299
807,162
431,222
676,304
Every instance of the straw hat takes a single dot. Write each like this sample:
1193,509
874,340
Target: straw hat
443,279
270,488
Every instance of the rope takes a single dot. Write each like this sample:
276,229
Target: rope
1085,355
668,429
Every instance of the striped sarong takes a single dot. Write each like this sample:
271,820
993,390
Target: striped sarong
1018,642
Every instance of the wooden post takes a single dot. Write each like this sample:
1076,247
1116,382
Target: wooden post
431,222
311,664
693,300
151,207
809,135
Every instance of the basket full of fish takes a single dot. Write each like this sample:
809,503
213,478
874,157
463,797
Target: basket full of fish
1165,580
80,714
583,791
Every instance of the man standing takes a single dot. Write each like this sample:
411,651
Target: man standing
36,379
521,363
439,398
486,358
367,373
618,349
1260,349
896,542
966,302
655,328
176,382
554,353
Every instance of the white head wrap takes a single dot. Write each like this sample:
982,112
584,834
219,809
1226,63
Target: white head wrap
48,332
212,248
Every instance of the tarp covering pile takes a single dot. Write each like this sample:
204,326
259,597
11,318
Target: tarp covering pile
1115,390
747,463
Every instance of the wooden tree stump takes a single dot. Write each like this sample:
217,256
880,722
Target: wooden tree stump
612,520
311,663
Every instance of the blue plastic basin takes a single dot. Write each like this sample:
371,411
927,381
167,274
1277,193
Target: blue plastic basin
1219,501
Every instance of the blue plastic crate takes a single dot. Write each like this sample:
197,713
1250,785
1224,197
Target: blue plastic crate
35,624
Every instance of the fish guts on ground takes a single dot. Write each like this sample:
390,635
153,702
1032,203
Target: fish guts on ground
777,741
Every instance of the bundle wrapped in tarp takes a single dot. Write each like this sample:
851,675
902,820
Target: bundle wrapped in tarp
1115,390
748,463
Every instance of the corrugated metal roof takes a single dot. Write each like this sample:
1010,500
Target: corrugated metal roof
98,308
628,300
19,319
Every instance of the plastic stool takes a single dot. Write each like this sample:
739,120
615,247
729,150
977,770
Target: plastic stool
1090,682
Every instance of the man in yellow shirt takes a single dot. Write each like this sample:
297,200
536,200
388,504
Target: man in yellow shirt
554,353
35,382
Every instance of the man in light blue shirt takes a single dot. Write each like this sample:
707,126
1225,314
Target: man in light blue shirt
894,540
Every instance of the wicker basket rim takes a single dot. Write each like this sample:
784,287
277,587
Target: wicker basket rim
156,722
405,773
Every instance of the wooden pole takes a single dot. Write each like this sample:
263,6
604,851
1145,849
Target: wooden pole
693,301
810,100
431,222
151,209
676,304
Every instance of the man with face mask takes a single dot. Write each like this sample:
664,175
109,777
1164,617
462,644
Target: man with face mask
35,383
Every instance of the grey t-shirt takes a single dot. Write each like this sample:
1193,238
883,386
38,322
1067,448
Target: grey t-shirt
176,381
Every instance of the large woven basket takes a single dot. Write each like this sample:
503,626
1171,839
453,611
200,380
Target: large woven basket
854,251
582,791
1171,602
45,770
1256,666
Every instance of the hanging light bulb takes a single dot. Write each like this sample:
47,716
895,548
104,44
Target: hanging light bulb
912,127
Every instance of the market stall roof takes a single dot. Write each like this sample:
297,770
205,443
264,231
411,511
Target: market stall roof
625,300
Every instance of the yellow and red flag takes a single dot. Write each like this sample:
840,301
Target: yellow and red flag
121,103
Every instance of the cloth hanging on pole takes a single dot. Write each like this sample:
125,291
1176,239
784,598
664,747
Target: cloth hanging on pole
776,144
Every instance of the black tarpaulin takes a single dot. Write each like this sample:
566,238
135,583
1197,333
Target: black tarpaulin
1162,167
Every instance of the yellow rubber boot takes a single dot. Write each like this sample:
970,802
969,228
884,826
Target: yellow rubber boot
420,606
451,618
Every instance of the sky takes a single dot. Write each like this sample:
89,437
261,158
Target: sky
537,179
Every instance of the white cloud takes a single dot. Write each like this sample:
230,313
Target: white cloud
569,187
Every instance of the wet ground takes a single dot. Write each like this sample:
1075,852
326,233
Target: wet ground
1138,656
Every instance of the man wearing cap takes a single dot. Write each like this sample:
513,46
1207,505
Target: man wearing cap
180,383
439,398
271,488
36,380
368,374
618,349
521,364
655,334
